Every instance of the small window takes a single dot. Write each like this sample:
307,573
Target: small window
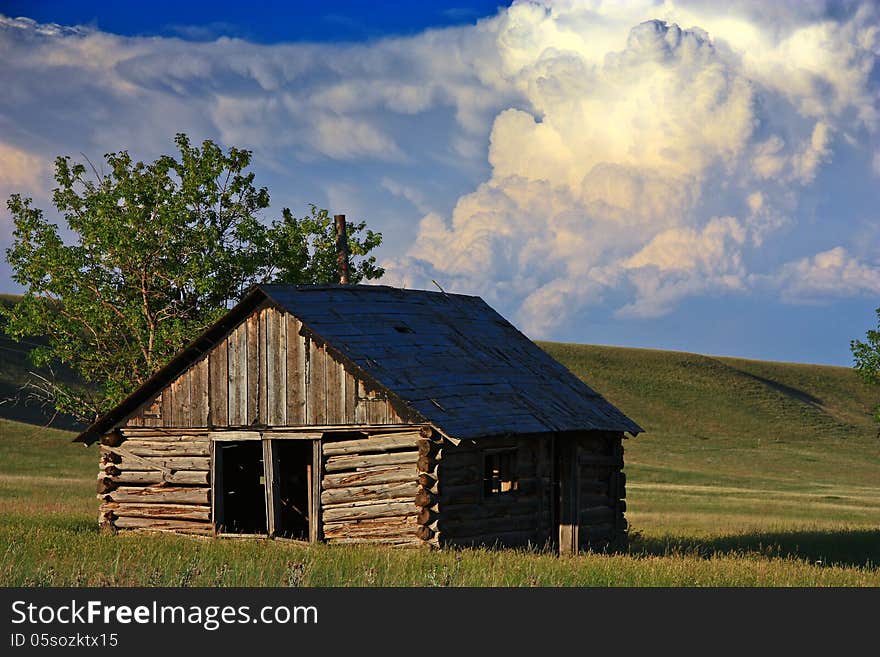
154,410
499,472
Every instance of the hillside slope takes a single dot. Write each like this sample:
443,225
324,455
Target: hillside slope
733,443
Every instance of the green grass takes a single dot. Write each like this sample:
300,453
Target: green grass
749,473
734,445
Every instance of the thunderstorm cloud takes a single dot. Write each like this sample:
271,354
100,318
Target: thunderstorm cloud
558,159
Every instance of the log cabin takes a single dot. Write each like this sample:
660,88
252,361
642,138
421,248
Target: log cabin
366,413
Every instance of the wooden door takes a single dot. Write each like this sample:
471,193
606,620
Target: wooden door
272,483
565,476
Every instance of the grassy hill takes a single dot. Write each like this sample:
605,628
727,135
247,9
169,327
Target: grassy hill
15,371
749,472
734,444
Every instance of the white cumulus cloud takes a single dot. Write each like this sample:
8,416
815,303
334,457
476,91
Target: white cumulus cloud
649,158
835,273
558,158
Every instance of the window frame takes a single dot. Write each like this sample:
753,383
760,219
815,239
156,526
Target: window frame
508,456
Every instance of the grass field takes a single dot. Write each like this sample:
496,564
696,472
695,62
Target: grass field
749,473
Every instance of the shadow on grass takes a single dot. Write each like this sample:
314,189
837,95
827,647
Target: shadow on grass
795,393
845,547
55,522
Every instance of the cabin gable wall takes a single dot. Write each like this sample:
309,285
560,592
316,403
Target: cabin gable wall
266,372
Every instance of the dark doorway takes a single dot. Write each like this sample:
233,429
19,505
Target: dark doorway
240,504
565,494
294,473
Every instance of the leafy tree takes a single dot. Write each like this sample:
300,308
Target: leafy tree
867,358
156,253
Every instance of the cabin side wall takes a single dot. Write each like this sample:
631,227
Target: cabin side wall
156,479
584,510
266,372
467,515
160,479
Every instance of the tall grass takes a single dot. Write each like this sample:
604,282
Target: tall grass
73,553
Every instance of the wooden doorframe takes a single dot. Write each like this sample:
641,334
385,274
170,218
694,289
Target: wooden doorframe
271,469
273,488
216,483
271,485
566,494
317,475
216,476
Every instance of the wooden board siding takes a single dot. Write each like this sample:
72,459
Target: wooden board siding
467,516
156,479
265,373
600,485
369,487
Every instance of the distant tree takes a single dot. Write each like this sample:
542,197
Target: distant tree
156,253
867,358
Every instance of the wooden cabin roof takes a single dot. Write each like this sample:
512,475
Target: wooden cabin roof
449,359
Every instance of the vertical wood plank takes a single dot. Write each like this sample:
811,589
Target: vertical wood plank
180,392
315,524
281,400
350,397
375,409
253,369
238,377
264,356
272,485
335,406
218,411
316,411
199,393
361,404
269,364
296,382
233,412
166,406
276,365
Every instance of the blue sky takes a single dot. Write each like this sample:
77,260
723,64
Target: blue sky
678,175
260,21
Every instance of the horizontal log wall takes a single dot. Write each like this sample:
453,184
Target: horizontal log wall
265,372
157,479
369,488
466,516
601,489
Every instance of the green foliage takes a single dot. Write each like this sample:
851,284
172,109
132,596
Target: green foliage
867,358
159,252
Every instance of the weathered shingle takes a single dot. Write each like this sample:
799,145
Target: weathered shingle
452,359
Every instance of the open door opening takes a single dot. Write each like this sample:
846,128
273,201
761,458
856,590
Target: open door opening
293,460
240,504
566,498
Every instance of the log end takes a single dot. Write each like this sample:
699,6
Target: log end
105,485
426,516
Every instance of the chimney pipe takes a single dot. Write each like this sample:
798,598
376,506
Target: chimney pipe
341,248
